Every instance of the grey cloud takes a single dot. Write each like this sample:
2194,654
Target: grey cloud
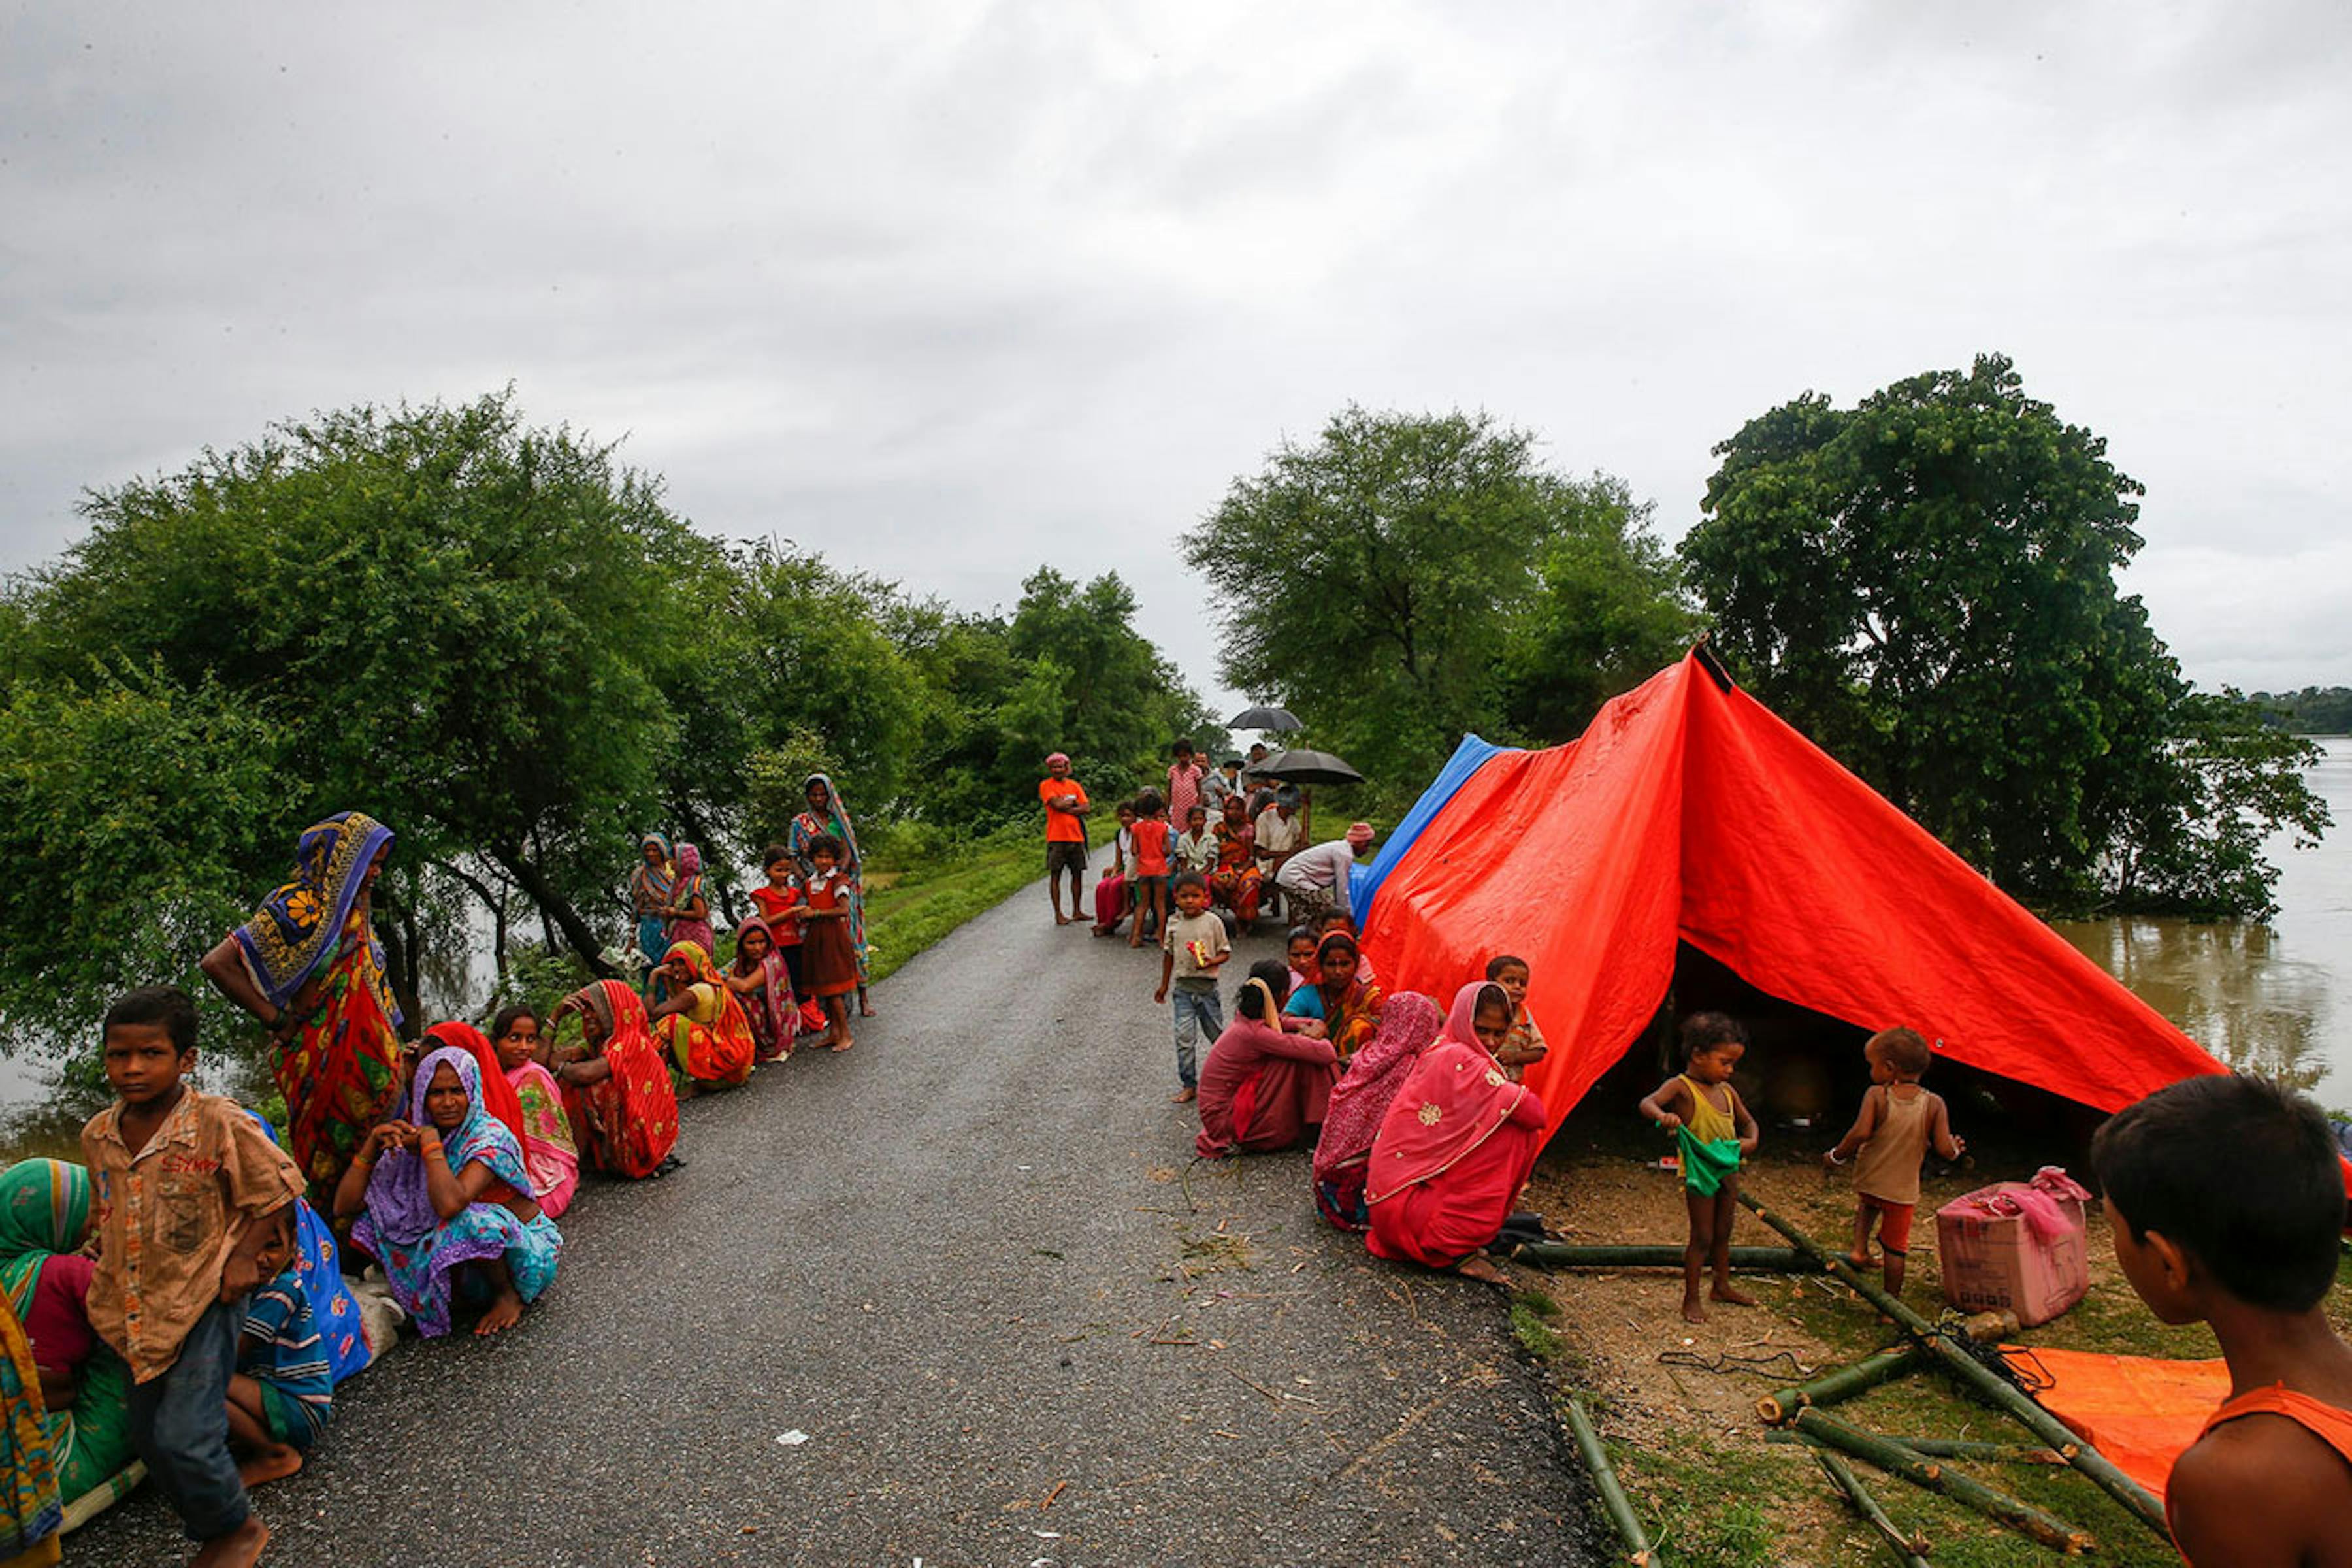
949,291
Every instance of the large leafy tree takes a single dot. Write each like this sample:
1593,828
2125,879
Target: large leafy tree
1407,578
1926,583
455,622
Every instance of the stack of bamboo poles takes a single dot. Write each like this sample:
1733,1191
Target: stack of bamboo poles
1798,1411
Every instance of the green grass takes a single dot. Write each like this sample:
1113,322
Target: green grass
909,906
1738,1502
1531,1315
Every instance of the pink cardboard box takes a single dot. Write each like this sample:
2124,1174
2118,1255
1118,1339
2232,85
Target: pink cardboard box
2017,1246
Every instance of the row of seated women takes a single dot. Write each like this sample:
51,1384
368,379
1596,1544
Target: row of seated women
1423,1139
517,1121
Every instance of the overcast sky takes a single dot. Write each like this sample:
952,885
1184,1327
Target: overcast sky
947,290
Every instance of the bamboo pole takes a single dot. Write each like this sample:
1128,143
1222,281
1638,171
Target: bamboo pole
1840,1383
1567,1255
1604,1480
1984,1380
1957,1449
1922,1472
1910,1550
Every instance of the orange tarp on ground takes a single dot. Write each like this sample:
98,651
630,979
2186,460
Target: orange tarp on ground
1689,812
2136,1410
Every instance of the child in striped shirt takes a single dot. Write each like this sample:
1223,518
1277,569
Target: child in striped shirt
282,1392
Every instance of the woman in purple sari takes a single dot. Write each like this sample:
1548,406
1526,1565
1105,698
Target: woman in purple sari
443,1201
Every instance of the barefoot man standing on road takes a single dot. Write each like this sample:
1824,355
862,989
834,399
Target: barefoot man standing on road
1066,836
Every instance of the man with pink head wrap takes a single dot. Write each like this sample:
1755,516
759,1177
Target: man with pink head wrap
1066,804
1314,882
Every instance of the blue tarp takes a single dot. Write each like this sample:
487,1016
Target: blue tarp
1364,881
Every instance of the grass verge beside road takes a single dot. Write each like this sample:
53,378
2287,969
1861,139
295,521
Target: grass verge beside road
913,904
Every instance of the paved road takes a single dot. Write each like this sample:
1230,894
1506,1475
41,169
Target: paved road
966,1259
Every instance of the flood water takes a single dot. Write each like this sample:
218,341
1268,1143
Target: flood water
2270,999
2262,998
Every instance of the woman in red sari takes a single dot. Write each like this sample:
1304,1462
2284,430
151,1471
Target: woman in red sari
308,966
1456,1145
702,1024
1262,1087
1237,880
1347,1000
1361,1101
617,1092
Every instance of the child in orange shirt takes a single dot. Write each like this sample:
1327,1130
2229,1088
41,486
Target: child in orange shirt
1150,835
2225,1196
784,904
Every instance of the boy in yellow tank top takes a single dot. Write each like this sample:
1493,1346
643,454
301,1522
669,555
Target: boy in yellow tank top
1712,1124
1897,1123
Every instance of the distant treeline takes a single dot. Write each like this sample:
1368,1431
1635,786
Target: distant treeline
2314,710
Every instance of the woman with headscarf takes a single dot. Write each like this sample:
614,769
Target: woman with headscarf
1348,1004
617,1092
1236,881
31,1515
43,1217
443,1203
690,909
763,983
306,964
701,1024
1411,1026
550,1151
827,816
650,884
1456,1146
1262,1087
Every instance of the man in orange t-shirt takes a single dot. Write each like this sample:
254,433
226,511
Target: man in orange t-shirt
1066,836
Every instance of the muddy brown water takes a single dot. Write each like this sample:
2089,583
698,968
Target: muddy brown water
2262,998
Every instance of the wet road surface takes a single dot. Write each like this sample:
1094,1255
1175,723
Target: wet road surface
971,1261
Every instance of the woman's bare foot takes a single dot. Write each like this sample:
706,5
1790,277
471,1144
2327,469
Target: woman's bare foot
1477,1266
505,1311
1061,920
1184,1096
842,1044
866,1008
240,1548
1693,1313
1857,1263
1731,1296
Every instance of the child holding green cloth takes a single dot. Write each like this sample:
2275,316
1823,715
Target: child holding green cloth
1711,1122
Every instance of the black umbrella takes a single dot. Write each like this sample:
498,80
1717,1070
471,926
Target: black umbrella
1305,767
1265,719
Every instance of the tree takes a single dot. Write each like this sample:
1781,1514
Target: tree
1067,671
131,821
1926,583
453,621
1408,578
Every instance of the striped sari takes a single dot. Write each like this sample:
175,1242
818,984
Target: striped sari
45,1214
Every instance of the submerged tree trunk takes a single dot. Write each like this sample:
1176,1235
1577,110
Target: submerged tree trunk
554,909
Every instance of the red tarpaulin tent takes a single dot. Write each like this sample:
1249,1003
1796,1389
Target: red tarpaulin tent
1688,812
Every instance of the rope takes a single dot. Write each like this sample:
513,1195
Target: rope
1730,1362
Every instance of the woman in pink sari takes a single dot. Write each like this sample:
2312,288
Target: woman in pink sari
762,983
1409,1026
1262,1087
549,1151
1456,1145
